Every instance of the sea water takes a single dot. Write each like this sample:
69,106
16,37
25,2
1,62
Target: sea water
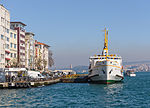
132,92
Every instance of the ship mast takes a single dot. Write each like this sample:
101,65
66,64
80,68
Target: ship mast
105,49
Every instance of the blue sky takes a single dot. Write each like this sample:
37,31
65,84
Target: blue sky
73,27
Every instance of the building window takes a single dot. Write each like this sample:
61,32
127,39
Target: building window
14,45
15,55
2,55
2,37
7,46
11,44
15,36
11,34
7,30
7,39
11,54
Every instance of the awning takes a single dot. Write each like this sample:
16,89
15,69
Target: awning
7,51
7,58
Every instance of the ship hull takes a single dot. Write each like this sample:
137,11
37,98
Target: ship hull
105,73
100,80
104,81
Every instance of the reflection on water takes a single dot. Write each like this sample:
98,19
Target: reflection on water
7,97
113,88
107,95
113,93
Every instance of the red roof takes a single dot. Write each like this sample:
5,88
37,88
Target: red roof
36,42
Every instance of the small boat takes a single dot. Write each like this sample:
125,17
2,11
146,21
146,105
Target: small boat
130,73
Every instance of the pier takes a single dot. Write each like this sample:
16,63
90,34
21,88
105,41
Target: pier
21,78
36,83
28,84
77,78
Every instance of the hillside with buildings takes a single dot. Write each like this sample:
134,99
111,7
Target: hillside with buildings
140,66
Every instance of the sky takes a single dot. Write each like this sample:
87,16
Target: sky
73,28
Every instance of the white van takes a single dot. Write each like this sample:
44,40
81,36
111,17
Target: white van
35,74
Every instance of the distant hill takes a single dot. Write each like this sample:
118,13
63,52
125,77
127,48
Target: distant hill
84,69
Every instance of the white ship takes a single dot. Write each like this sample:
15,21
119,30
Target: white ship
105,68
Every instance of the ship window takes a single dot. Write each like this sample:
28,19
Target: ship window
103,71
109,58
110,71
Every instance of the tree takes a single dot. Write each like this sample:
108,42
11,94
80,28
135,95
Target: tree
14,63
50,59
38,64
44,64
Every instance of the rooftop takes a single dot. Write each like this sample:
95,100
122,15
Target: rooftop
19,23
42,43
29,33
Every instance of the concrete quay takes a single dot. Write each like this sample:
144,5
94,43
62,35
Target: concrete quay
37,83
75,78
27,84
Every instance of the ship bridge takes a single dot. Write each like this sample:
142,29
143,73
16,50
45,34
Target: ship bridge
106,57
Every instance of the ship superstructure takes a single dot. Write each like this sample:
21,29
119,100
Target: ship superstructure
105,68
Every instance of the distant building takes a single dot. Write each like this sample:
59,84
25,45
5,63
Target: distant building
29,50
19,26
45,55
4,37
41,52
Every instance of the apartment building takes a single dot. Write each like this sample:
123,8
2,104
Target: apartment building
16,43
4,37
41,52
13,44
29,50
20,28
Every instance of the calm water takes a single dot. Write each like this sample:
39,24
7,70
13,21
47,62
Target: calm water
133,92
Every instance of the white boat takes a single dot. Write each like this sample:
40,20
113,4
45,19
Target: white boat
130,73
105,68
